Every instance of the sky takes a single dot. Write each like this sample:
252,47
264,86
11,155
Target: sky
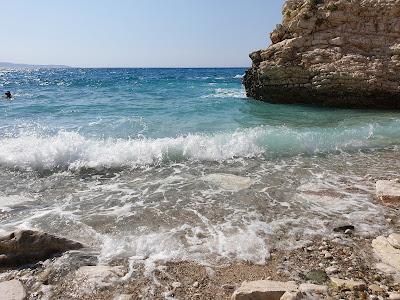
136,33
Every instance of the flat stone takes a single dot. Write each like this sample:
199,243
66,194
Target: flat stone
263,290
352,285
313,288
27,246
388,192
12,290
386,252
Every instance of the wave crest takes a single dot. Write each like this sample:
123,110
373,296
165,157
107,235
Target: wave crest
72,151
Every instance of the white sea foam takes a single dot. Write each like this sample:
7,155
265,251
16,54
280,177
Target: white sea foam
69,150
238,76
227,93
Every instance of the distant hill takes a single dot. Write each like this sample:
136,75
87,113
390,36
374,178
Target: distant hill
27,66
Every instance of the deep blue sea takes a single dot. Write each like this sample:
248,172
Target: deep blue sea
177,164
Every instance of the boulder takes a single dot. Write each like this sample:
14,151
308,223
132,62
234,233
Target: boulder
263,290
27,246
387,250
388,192
12,290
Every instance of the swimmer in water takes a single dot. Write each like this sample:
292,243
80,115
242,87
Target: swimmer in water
8,95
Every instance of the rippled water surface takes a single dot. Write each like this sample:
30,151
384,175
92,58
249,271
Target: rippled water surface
153,164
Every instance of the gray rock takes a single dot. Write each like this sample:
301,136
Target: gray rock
12,290
27,246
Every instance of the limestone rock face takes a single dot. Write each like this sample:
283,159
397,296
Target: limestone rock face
331,52
27,246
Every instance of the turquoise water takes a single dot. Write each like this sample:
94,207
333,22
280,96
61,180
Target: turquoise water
61,118
177,164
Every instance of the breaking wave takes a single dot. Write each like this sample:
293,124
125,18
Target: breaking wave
72,151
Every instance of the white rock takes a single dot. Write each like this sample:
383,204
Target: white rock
196,284
229,182
12,290
263,290
386,252
176,285
388,191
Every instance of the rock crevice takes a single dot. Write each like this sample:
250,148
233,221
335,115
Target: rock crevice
331,52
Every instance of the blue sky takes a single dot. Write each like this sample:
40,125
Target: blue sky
136,33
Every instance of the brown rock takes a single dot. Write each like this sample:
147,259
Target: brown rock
27,246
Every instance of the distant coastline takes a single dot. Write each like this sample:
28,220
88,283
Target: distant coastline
30,66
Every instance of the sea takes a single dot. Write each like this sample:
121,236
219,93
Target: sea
155,165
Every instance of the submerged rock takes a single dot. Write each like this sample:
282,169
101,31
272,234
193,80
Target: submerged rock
331,52
27,246
388,192
12,290
263,290
229,182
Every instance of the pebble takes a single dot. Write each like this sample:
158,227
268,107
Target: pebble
176,285
327,255
196,284
331,270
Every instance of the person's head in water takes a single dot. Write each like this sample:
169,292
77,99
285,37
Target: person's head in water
8,94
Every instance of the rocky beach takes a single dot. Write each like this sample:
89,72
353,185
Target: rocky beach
123,184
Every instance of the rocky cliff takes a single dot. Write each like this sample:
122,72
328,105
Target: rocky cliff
337,53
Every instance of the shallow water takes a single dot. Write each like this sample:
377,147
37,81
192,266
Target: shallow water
176,164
